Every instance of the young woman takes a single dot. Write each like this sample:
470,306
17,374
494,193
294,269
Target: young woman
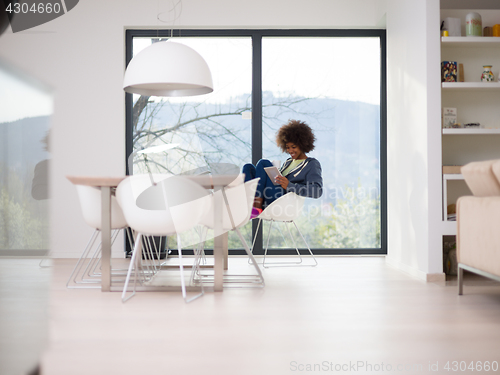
300,173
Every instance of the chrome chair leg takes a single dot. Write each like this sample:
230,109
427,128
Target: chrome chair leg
267,243
198,250
87,274
236,280
294,243
251,258
308,248
119,271
79,263
183,281
133,260
255,237
282,264
266,264
92,271
203,235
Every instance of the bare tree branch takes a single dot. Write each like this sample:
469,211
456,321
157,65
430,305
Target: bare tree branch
139,106
211,128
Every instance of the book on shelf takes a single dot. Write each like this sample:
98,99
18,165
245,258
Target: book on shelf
451,212
452,169
449,117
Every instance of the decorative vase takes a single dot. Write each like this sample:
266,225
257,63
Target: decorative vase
496,30
473,24
487,75
453,25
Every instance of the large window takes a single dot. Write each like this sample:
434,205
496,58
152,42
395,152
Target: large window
333,80
24,164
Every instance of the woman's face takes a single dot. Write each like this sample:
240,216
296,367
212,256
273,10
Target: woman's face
294,150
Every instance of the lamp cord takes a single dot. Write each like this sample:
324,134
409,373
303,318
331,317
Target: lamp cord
173,10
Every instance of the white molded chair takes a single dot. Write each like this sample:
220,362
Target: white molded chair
286,209
171,205
85,273
238,199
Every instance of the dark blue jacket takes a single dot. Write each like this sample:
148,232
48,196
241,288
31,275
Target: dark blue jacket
305,180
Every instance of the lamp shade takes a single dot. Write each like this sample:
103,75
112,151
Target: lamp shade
168,69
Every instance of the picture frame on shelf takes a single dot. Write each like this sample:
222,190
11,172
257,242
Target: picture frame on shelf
449,117
449,71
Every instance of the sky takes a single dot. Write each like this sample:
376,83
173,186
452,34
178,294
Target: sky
340,68
21,99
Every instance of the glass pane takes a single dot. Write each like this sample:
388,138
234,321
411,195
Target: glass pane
333,84
207,132
24,164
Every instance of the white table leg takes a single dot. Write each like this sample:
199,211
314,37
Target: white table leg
225,249
218,241
106,238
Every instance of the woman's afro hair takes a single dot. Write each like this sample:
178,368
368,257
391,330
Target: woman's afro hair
298,133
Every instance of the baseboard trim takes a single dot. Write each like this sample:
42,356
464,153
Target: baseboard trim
412,271
436,277
23,253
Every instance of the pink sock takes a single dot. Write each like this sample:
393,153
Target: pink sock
255,212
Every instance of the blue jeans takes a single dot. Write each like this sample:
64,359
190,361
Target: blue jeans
265,188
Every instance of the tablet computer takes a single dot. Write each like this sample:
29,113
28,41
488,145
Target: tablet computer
273,172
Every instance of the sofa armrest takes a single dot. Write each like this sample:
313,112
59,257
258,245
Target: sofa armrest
478,233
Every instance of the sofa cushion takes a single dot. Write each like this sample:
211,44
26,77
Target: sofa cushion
478,239
480,178
495,167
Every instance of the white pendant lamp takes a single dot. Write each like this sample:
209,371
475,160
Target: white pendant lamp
168,69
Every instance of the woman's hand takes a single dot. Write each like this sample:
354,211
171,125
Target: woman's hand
283,181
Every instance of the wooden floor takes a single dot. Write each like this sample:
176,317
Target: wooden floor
355,313
24,300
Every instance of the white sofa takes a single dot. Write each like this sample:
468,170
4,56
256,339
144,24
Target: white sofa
478,222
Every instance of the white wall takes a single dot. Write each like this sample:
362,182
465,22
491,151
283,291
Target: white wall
82,56
413,128
434,264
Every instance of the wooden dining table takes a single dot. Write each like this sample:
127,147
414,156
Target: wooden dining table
107,183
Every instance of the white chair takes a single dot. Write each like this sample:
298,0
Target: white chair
169,206
86,273
286,209
238,199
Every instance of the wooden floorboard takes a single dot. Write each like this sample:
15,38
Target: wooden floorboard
348,310
24,300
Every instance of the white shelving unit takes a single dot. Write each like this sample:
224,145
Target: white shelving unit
475,101
471,85
470,131
469,41
447,177
453,176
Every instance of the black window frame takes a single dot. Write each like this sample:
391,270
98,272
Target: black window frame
256,36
